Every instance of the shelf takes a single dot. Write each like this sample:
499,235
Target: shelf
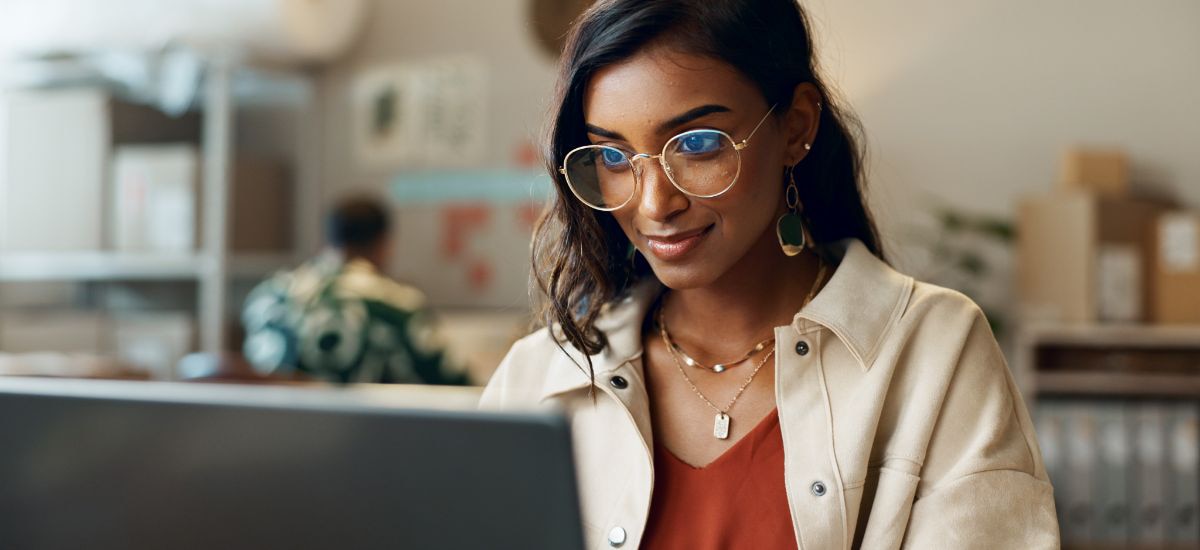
1109,360
90,266
1118,384
124,266
249,86
1115,335
216,86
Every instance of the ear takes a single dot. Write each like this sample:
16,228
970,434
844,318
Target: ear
802,120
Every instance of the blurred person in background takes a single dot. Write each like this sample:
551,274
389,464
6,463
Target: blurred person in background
339,318
743,366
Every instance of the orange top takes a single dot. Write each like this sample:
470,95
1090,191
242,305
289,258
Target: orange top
736,501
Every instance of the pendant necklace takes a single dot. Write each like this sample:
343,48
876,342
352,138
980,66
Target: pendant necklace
722,421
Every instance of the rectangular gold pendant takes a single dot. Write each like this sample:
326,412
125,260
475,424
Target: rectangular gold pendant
721,426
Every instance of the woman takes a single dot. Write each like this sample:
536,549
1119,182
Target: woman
742,367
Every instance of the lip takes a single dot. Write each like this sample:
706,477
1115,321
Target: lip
676,245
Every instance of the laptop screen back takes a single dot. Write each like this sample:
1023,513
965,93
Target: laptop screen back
137,465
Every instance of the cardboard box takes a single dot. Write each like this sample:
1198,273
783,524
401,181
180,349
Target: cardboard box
1064,239
141,124
152,342
154,198
54,147
1119,282
262,206
148,342
1099,171
58,331
1174,274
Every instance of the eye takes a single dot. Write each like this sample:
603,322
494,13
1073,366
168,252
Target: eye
698,143
613,159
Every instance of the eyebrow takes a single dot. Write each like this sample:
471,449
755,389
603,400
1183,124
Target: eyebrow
670,124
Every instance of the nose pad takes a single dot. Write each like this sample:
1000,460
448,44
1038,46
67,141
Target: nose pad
642,171
667,168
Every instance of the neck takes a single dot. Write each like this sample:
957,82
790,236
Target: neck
762,291
370,256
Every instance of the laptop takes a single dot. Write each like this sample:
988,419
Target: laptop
132,465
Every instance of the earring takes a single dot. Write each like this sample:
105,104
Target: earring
793,239
808,147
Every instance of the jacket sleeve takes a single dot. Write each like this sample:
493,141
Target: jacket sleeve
494,394
983,483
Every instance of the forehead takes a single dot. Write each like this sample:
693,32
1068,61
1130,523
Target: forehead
658,83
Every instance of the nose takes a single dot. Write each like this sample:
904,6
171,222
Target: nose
660,200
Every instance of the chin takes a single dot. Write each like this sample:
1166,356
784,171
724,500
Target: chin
685,276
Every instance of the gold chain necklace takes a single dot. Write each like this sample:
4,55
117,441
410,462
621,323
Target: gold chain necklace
723,420
718,367
721,424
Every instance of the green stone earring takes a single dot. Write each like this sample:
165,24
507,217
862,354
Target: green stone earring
793,239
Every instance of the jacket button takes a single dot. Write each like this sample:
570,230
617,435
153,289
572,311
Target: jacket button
616,537
619,382
818,489
802,347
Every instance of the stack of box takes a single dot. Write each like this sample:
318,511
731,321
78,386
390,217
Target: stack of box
1092,252
1175,260
154,198
155,201
82,172
151,343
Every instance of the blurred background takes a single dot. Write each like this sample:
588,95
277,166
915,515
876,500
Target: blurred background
160,160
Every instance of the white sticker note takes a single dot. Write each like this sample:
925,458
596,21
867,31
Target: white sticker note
1180,244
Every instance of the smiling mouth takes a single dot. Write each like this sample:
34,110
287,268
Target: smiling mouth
676,245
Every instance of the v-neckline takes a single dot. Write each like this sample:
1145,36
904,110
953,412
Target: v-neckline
764,421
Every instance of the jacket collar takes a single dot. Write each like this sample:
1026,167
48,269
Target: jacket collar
621,323
860,304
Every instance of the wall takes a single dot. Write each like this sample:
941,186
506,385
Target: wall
519,79
966,103
972,103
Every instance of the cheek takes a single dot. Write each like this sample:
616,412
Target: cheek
755,198
624,219
760,184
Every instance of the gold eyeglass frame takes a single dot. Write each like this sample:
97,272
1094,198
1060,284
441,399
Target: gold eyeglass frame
661,158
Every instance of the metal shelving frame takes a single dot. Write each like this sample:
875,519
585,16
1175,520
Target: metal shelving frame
212,266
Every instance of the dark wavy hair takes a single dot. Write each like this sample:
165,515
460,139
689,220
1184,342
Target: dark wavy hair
581,257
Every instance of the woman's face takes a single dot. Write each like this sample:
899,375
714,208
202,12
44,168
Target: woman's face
638,105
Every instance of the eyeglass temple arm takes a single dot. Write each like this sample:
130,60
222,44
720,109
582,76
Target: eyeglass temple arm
746,142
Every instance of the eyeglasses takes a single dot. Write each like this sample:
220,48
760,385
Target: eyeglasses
701,163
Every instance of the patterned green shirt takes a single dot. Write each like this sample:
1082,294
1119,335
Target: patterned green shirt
345,322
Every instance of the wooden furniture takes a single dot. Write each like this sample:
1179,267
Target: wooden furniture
1108,361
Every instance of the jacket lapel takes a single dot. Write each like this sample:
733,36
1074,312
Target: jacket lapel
621,323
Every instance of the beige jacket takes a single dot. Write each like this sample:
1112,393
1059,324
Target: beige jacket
902,426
